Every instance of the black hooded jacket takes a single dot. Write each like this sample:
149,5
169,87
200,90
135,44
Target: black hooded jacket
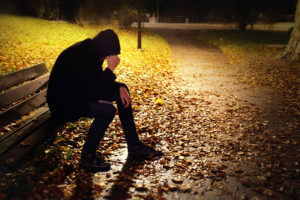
77,76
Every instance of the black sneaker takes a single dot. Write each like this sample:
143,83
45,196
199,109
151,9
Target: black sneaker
95,163
143,150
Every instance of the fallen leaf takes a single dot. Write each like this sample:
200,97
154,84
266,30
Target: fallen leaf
10,160
177,180
159,102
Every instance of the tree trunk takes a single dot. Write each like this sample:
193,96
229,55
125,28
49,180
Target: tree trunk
292,52
243,26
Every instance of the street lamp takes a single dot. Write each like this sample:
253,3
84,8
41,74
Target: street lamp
139,26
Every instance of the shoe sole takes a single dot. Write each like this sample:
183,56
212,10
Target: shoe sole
100,169
94,168
145,155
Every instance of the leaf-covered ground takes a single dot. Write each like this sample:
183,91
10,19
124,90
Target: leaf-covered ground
217,145
257,116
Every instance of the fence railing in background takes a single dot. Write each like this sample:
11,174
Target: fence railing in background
184,19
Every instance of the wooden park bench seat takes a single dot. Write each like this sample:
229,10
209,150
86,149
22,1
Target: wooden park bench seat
24,114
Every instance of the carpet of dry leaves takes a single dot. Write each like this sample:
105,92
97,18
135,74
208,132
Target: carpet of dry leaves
219,149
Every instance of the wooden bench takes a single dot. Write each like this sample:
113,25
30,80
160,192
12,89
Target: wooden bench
24,115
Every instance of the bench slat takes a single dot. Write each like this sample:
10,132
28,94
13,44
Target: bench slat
22,91
16,153
18,101
20,133
22,108
14,78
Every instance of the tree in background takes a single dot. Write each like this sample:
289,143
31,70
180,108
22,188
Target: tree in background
127,11
245,14
292,51
126,14
95,12
69,9
48,9
53,9
249,12
7,6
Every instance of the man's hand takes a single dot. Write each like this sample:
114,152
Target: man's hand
124,97
112,62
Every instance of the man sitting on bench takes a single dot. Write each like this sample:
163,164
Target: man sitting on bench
79,87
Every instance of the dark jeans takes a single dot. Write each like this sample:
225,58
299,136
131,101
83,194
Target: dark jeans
103,113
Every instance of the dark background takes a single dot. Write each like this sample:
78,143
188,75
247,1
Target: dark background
242,12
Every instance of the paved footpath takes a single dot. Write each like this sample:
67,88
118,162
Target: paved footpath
204,68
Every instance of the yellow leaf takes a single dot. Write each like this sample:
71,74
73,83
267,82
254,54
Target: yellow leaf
158,102
261,178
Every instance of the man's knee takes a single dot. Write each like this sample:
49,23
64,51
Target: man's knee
110,112
103,109
109,109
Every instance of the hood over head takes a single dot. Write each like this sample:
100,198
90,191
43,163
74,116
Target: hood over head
106,43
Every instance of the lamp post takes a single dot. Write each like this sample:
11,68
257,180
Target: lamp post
157,11
139,26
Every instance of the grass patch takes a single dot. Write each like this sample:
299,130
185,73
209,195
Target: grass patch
250,58
26,41
236,43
